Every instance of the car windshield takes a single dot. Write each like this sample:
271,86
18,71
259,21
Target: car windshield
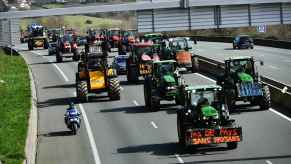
144,50
237,66
245,38
128,33
166,68
67,38
196,96
179,44
114,32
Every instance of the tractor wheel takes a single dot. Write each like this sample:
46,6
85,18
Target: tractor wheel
45,44
265,102
82,91
76,55
230,99
181,130
132,75
147,93
231,145
154,105
30,45
59,57
114,89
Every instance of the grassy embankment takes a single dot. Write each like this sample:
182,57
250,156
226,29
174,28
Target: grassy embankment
15,105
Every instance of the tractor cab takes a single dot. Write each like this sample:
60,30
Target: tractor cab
241,69
204,119
204,103
143,52
241,82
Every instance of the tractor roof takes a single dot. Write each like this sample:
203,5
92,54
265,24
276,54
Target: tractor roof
153,34
203,87
164,61
143,44
238,58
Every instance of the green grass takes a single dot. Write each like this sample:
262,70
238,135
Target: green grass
15,105
77,22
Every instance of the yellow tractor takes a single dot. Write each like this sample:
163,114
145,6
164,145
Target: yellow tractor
94,76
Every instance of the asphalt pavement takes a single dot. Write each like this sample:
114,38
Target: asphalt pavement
124,132
277,62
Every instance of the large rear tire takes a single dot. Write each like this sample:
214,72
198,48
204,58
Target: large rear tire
132,75
82,91
59,57
114,89
265,102
181,130
147,93
30,45
76,55
45,44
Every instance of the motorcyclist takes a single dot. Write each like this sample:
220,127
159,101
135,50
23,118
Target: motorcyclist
72,111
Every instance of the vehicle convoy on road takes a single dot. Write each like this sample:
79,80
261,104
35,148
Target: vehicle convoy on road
67,48
181,48
139,61
241,82
243,41
95,76
161,84
204,118
37,37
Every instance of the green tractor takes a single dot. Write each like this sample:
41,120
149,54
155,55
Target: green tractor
204,118
161,84
241,82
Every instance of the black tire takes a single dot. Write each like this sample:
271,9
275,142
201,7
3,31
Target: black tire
76,55
147,93
74,128
229,96
45,44
132,74
82,91
30,45
59,57
252,47
114,89
265,102
231,145
181,130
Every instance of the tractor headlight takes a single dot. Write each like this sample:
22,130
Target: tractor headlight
216,117
204,118
171,88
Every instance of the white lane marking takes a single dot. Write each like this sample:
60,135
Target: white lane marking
280,114
90,135
61,72
135,102
205,77
179,158
154,125
273,67
268,162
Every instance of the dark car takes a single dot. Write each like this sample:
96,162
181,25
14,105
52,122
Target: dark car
243,41
119,63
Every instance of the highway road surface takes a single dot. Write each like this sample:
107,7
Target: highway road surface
277,62
123,132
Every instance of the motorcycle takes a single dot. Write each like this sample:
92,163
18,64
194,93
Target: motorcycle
73,122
